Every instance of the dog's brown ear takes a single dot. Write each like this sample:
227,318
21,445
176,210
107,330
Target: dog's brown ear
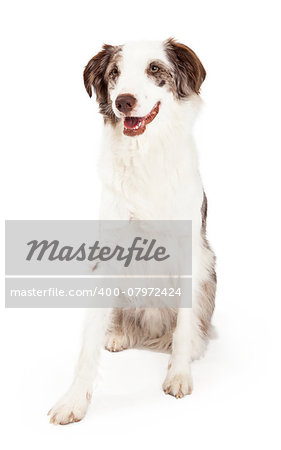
188,69
94,73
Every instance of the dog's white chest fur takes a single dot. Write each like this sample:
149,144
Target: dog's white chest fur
154,176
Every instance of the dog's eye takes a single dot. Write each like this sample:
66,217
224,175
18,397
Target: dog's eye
114,72
154,68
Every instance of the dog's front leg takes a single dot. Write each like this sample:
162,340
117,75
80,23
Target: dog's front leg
73,405
178,381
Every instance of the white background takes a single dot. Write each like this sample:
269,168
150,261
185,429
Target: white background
50,138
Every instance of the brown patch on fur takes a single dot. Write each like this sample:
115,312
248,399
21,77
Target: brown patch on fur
98,75
162,76
208,288
189,72
204,212
137,326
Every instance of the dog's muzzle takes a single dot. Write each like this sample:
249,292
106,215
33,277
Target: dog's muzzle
134,126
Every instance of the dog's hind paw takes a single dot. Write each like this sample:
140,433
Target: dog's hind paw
116,343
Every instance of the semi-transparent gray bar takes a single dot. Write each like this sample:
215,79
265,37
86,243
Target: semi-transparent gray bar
123,248
99,292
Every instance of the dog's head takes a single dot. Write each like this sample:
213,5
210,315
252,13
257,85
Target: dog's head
136,81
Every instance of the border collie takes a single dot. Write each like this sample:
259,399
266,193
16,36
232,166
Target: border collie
148,94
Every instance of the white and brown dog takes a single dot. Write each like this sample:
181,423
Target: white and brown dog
148,95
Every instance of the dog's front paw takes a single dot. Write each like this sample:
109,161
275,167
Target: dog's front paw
72,407
178,383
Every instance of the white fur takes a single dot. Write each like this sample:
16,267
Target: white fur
151,176
135,57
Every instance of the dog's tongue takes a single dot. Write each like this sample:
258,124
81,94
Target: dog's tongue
131,122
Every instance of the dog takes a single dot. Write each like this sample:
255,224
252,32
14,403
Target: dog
148,94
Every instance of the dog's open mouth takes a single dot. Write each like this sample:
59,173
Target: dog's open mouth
134,126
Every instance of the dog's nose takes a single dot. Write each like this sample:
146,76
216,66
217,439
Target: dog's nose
125,103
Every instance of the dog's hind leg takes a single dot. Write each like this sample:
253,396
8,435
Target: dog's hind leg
73,405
